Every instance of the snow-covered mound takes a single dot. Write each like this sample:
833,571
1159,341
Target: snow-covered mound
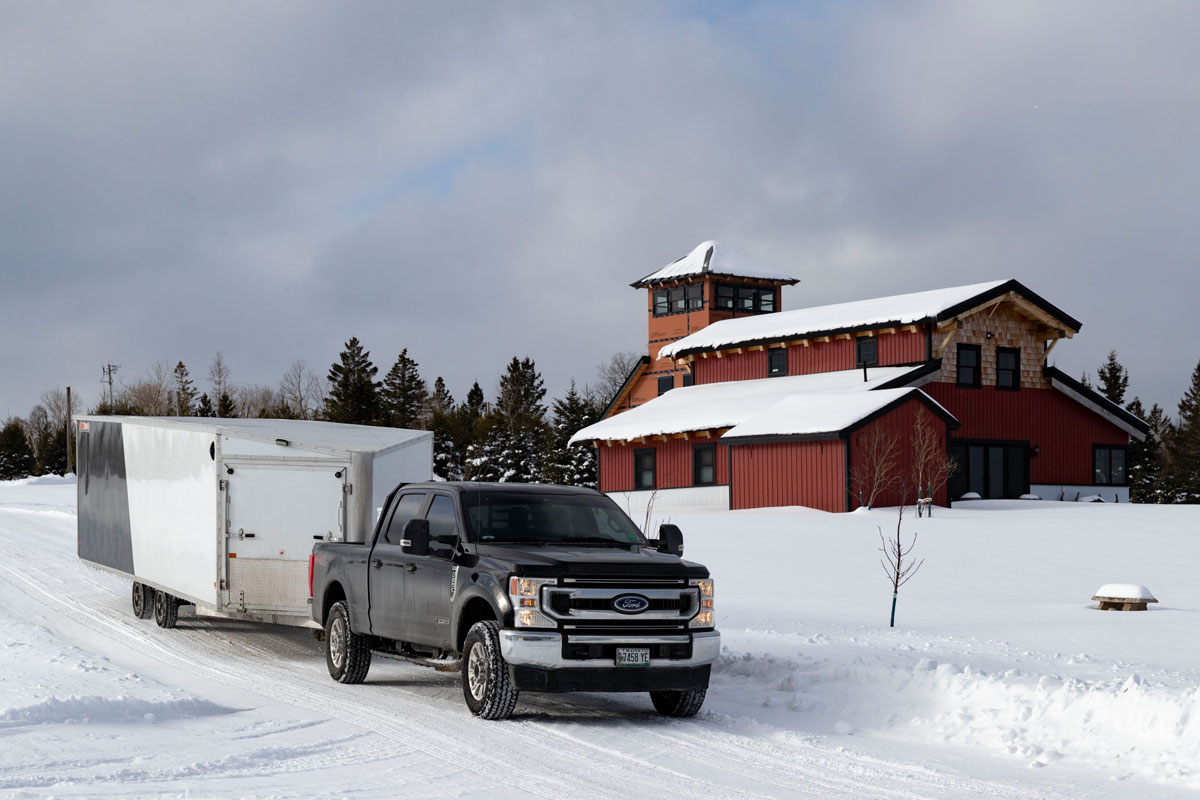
1126,591
43,480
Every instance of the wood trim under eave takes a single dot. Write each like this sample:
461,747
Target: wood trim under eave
946,341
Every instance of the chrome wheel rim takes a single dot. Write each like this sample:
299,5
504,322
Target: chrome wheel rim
477,672
337,641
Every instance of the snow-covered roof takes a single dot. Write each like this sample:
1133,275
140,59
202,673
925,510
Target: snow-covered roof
300,433
728,404
714,258
815,413
901,309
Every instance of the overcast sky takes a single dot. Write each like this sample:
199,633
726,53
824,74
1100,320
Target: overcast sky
475,181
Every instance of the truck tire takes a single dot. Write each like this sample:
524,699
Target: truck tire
487,684
166,610
678,704
347,654
143,601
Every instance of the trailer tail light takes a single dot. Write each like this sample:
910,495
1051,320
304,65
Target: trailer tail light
312,560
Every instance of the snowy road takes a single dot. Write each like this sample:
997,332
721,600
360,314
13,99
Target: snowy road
98,703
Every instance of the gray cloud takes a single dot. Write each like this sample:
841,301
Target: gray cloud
478,180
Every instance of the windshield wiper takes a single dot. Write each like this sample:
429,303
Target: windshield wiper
597,540
516,541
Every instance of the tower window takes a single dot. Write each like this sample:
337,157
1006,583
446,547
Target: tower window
662,302
665,384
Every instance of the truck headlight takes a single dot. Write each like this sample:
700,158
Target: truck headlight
704,617
525,594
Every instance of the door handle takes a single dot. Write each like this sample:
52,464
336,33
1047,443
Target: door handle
410,567
377,564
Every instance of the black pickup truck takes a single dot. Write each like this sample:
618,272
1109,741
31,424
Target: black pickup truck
522,588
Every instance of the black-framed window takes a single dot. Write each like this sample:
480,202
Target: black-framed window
665,384
993,469
662,302
643,469
704,464
866,351
968,365
688,378
678,300
726,295
747,299
1008,368
766,300
1110,465
695,296
776,362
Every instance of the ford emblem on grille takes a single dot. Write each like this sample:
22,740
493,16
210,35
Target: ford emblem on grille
630,604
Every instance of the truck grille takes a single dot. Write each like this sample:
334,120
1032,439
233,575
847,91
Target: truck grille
589,605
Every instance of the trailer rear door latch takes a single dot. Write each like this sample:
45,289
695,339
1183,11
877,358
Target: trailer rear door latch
243,535
348,488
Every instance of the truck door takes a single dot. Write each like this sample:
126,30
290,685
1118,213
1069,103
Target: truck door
274,512
386,571
428,578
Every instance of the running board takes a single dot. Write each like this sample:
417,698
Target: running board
439,664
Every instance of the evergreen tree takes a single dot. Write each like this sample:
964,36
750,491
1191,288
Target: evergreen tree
226,409
1146,458
1085,380
441,401
482,461
353,390
571,465
16,457
520,448
185,392
1184,445
521,392
205,407
476,405
468,430
1113,379
403,395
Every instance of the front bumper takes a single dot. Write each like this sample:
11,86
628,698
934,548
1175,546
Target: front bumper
544,649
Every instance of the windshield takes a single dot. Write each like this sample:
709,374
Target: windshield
532,517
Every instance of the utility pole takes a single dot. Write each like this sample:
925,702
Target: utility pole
109,370
70,430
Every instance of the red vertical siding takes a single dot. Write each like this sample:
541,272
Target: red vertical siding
902,347
828,356
1061,429
901,423
672,464
743,366
789,474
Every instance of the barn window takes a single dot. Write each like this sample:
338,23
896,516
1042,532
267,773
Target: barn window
867,354
746,298
776,362
968,365
662,303
643,469
665,384
766,300
678,301
704,464
1008,368
695,296
1108,465
725,296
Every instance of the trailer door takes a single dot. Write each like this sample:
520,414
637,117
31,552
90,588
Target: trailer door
274,513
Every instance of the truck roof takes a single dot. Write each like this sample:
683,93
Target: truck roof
479,486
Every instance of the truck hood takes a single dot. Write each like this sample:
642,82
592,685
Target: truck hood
551,560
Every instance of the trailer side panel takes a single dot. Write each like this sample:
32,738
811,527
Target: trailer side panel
103,499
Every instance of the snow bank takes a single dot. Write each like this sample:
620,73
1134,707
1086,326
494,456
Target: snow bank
44,480
94,708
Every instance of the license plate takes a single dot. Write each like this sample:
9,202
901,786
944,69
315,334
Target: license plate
633,656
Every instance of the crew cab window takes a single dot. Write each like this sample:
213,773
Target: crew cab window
408,507
441,517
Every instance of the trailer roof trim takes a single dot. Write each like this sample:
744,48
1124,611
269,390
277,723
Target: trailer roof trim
327,436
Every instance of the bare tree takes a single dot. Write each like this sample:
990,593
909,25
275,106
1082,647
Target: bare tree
218,375
301,390
150,393
253,400
893,561
611,376
931,467
875,466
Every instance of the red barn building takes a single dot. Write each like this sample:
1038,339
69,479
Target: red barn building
741,405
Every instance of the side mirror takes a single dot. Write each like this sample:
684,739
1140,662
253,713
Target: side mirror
416,537
670,539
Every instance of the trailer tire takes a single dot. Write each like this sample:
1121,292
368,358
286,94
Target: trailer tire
143,601
678,704
487,685
347,654
166,610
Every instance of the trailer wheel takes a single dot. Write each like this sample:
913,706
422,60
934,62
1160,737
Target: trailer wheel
143,601
166,610
487,685
347,654
678,704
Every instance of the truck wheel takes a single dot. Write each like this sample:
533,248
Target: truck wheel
166,610
143,601
678,704
347,654
487,686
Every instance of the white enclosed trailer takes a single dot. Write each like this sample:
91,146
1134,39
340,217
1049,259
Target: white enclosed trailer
223,513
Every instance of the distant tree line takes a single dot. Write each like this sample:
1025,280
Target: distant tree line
514,436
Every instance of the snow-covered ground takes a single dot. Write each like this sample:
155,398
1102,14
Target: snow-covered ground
1000,679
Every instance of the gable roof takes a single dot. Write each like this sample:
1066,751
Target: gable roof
713,406
1098,403
902,309
714,258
